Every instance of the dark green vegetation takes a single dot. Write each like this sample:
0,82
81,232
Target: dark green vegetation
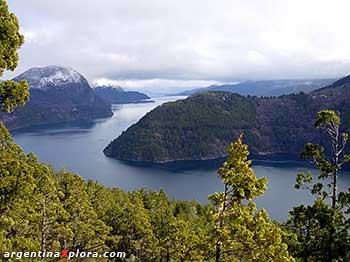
57,94
178,130
266,87
201,126
116,95
242,231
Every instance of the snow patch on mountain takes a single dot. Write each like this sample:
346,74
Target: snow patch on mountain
46,77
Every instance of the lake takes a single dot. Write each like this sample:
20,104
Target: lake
78,147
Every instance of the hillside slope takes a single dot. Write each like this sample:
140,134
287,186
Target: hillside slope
201,126
267,87
57,94
117,95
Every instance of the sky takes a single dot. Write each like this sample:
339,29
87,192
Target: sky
170,46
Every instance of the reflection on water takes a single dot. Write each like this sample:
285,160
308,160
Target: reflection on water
78,147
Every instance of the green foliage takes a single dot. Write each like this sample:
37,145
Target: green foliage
84,230
11,93
327,117
322,229
243,233
10,39
238,175
330,162
313,225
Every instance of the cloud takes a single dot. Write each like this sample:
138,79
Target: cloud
136,42
257,58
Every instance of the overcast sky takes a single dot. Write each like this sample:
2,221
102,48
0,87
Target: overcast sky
175,44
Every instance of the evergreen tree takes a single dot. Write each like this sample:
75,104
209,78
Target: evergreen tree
11,93
134,227
16,173
243,233
321,228
86,231
51,217
180,231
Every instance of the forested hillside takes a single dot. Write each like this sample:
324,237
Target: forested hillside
201,126
266,87
117,95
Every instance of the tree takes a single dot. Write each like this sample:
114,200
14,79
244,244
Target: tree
15,174
243,233
85,231
324,220
180,228
328,163
132,223
12,94
49,211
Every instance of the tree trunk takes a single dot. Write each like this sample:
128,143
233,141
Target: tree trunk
220,224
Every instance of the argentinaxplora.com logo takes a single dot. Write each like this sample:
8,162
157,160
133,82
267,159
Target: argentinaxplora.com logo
65,253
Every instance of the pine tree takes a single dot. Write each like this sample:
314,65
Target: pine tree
136,231
85,231
324,220
16,174
181,234
12,94
243,233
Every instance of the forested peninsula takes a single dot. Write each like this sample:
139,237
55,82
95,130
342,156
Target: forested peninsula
201,126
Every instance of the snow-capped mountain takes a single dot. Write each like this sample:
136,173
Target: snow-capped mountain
57,94
51,76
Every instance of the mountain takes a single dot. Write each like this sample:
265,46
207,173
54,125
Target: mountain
116,95
201,126
266,87
57,94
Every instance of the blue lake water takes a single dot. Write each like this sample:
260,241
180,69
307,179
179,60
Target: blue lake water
78,147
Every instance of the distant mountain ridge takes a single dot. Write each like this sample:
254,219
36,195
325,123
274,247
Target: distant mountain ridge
117,95
57,94
266,87
201,126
